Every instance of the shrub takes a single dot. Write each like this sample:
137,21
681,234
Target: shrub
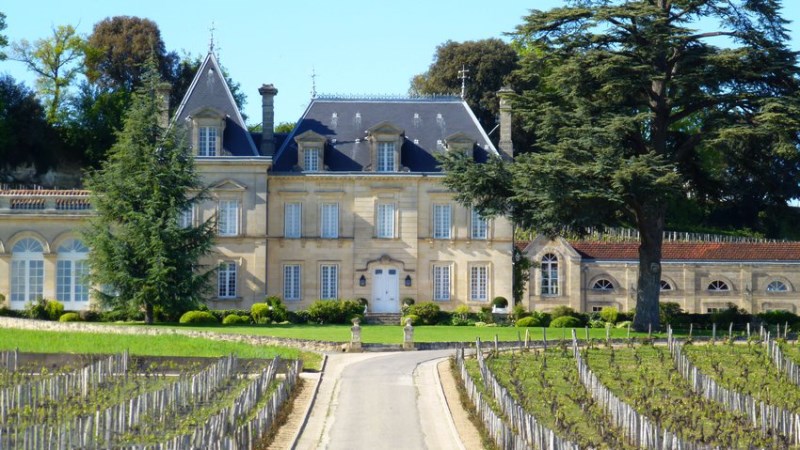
597,324
731,314
486,314
279,312
8,312
3,301
260,313
668,313
334,311
609,314
526,322
198,318
90,315
499,302
542,317
563,311
408,301
297,316
519,312
415,320
235,319
70,317
428,312
43,309
779,317
565,322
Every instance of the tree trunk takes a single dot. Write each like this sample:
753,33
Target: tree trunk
651,231
148,313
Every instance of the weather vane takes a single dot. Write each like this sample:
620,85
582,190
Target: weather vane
211,38
463,75
313,83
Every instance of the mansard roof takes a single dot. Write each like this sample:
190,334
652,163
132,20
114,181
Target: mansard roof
210,92
693,251
424,123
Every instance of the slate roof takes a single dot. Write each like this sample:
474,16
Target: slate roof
344,123
209,90
693,251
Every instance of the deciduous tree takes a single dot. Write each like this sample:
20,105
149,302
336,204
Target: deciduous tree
488,62
141,255
55,61
26,138
635,104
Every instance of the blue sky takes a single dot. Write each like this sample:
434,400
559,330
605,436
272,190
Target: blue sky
354,47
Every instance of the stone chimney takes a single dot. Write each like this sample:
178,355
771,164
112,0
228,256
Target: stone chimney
268,93
506,145
162,91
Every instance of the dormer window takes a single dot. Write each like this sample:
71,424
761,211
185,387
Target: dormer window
386,142
459,142
386,158
310,151
207,141
311,160
208,126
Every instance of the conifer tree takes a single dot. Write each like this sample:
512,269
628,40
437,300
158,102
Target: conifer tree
141,256
637,103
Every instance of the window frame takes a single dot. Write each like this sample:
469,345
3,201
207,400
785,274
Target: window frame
27,275
227,278
479,283
717,286
207,137
329,288
549,278
292,290
441,281
72,267
385,218
329,221
293,220
385,160
228,217
442,221
785,287
308,161
479,226
603,285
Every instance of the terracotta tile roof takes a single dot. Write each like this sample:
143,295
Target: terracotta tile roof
694,251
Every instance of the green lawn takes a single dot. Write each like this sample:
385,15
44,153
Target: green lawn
391,334
162,345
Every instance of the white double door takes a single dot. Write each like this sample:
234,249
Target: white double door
385,290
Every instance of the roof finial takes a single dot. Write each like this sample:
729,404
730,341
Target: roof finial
463,75
211,38
313,83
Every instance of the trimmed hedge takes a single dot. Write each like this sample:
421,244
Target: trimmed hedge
565,322
334,311
70,317
428,312
198,318
235,319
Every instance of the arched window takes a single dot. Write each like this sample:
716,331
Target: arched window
71,271
665,286
27,270
603,285
549,274
777,286
718,286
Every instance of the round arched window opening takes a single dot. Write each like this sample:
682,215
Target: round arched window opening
666,286
777,286
718,286
603,285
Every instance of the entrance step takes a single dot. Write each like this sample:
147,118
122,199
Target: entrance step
382,318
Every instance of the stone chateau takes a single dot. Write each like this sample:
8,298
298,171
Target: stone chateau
350,204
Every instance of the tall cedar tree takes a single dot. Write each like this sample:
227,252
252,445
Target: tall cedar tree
141,256
633,106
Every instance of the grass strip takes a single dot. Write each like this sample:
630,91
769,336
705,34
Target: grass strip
145,345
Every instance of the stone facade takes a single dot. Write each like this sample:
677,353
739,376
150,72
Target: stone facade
359,179
701,277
